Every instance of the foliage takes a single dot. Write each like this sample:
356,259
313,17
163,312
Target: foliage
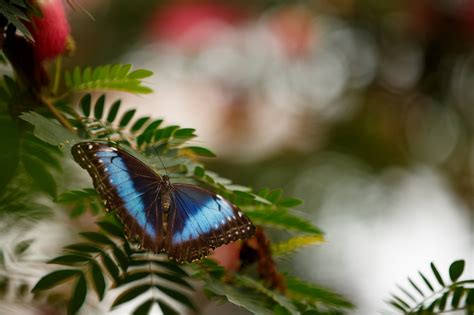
40,125
17,12
428,297
105,260
109,77
161,146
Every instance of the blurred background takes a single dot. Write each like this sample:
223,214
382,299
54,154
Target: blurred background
363,109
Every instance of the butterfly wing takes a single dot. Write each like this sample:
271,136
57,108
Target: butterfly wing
200,220
127,186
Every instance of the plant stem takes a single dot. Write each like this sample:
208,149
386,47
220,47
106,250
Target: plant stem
62,120
57,75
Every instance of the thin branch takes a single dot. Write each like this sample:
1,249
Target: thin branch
57,75
57,114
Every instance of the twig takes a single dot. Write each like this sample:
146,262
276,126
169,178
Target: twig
62,120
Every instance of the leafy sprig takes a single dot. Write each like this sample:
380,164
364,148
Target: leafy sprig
427,297
116,77
106,260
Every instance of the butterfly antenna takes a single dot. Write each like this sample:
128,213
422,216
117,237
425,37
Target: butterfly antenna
161,161
163,164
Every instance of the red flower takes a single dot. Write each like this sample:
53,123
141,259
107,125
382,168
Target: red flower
51,31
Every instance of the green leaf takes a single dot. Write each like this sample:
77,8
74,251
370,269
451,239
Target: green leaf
470,298
296,243
286,304
86,105
134,276
172,267
289,202
304,291
78,296
416,287
16,17
112,229
282,219
47,130
54,278
97,238
458,292
113,111
144,308
121,257
41,176
99,107
140,74
456,269
437,274
274,196
83,247
240,297
200,151
111,268
174,279
199,171
428,284
184,133
442,301
97,279
116,77
139,124
130,294
176,295
70,259
127,117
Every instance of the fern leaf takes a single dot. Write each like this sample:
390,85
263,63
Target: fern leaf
304,291
282,219
296,243
117,77
16,14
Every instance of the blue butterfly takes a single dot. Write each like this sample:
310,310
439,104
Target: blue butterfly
186,221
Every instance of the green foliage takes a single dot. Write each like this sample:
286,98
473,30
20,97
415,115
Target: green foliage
81,200
107,260
116,77
159,145
296,243
437,298
17,12
254,296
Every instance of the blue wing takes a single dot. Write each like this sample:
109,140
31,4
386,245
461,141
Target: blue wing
200,220
127,186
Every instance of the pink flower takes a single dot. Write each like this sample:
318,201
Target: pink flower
51,31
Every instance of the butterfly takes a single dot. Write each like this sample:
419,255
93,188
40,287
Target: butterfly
183,220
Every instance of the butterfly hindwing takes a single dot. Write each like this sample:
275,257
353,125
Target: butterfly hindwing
127,186
200,220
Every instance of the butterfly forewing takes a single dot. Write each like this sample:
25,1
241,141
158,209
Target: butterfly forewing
127,186
200,220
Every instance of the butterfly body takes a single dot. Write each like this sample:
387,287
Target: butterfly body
186,221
